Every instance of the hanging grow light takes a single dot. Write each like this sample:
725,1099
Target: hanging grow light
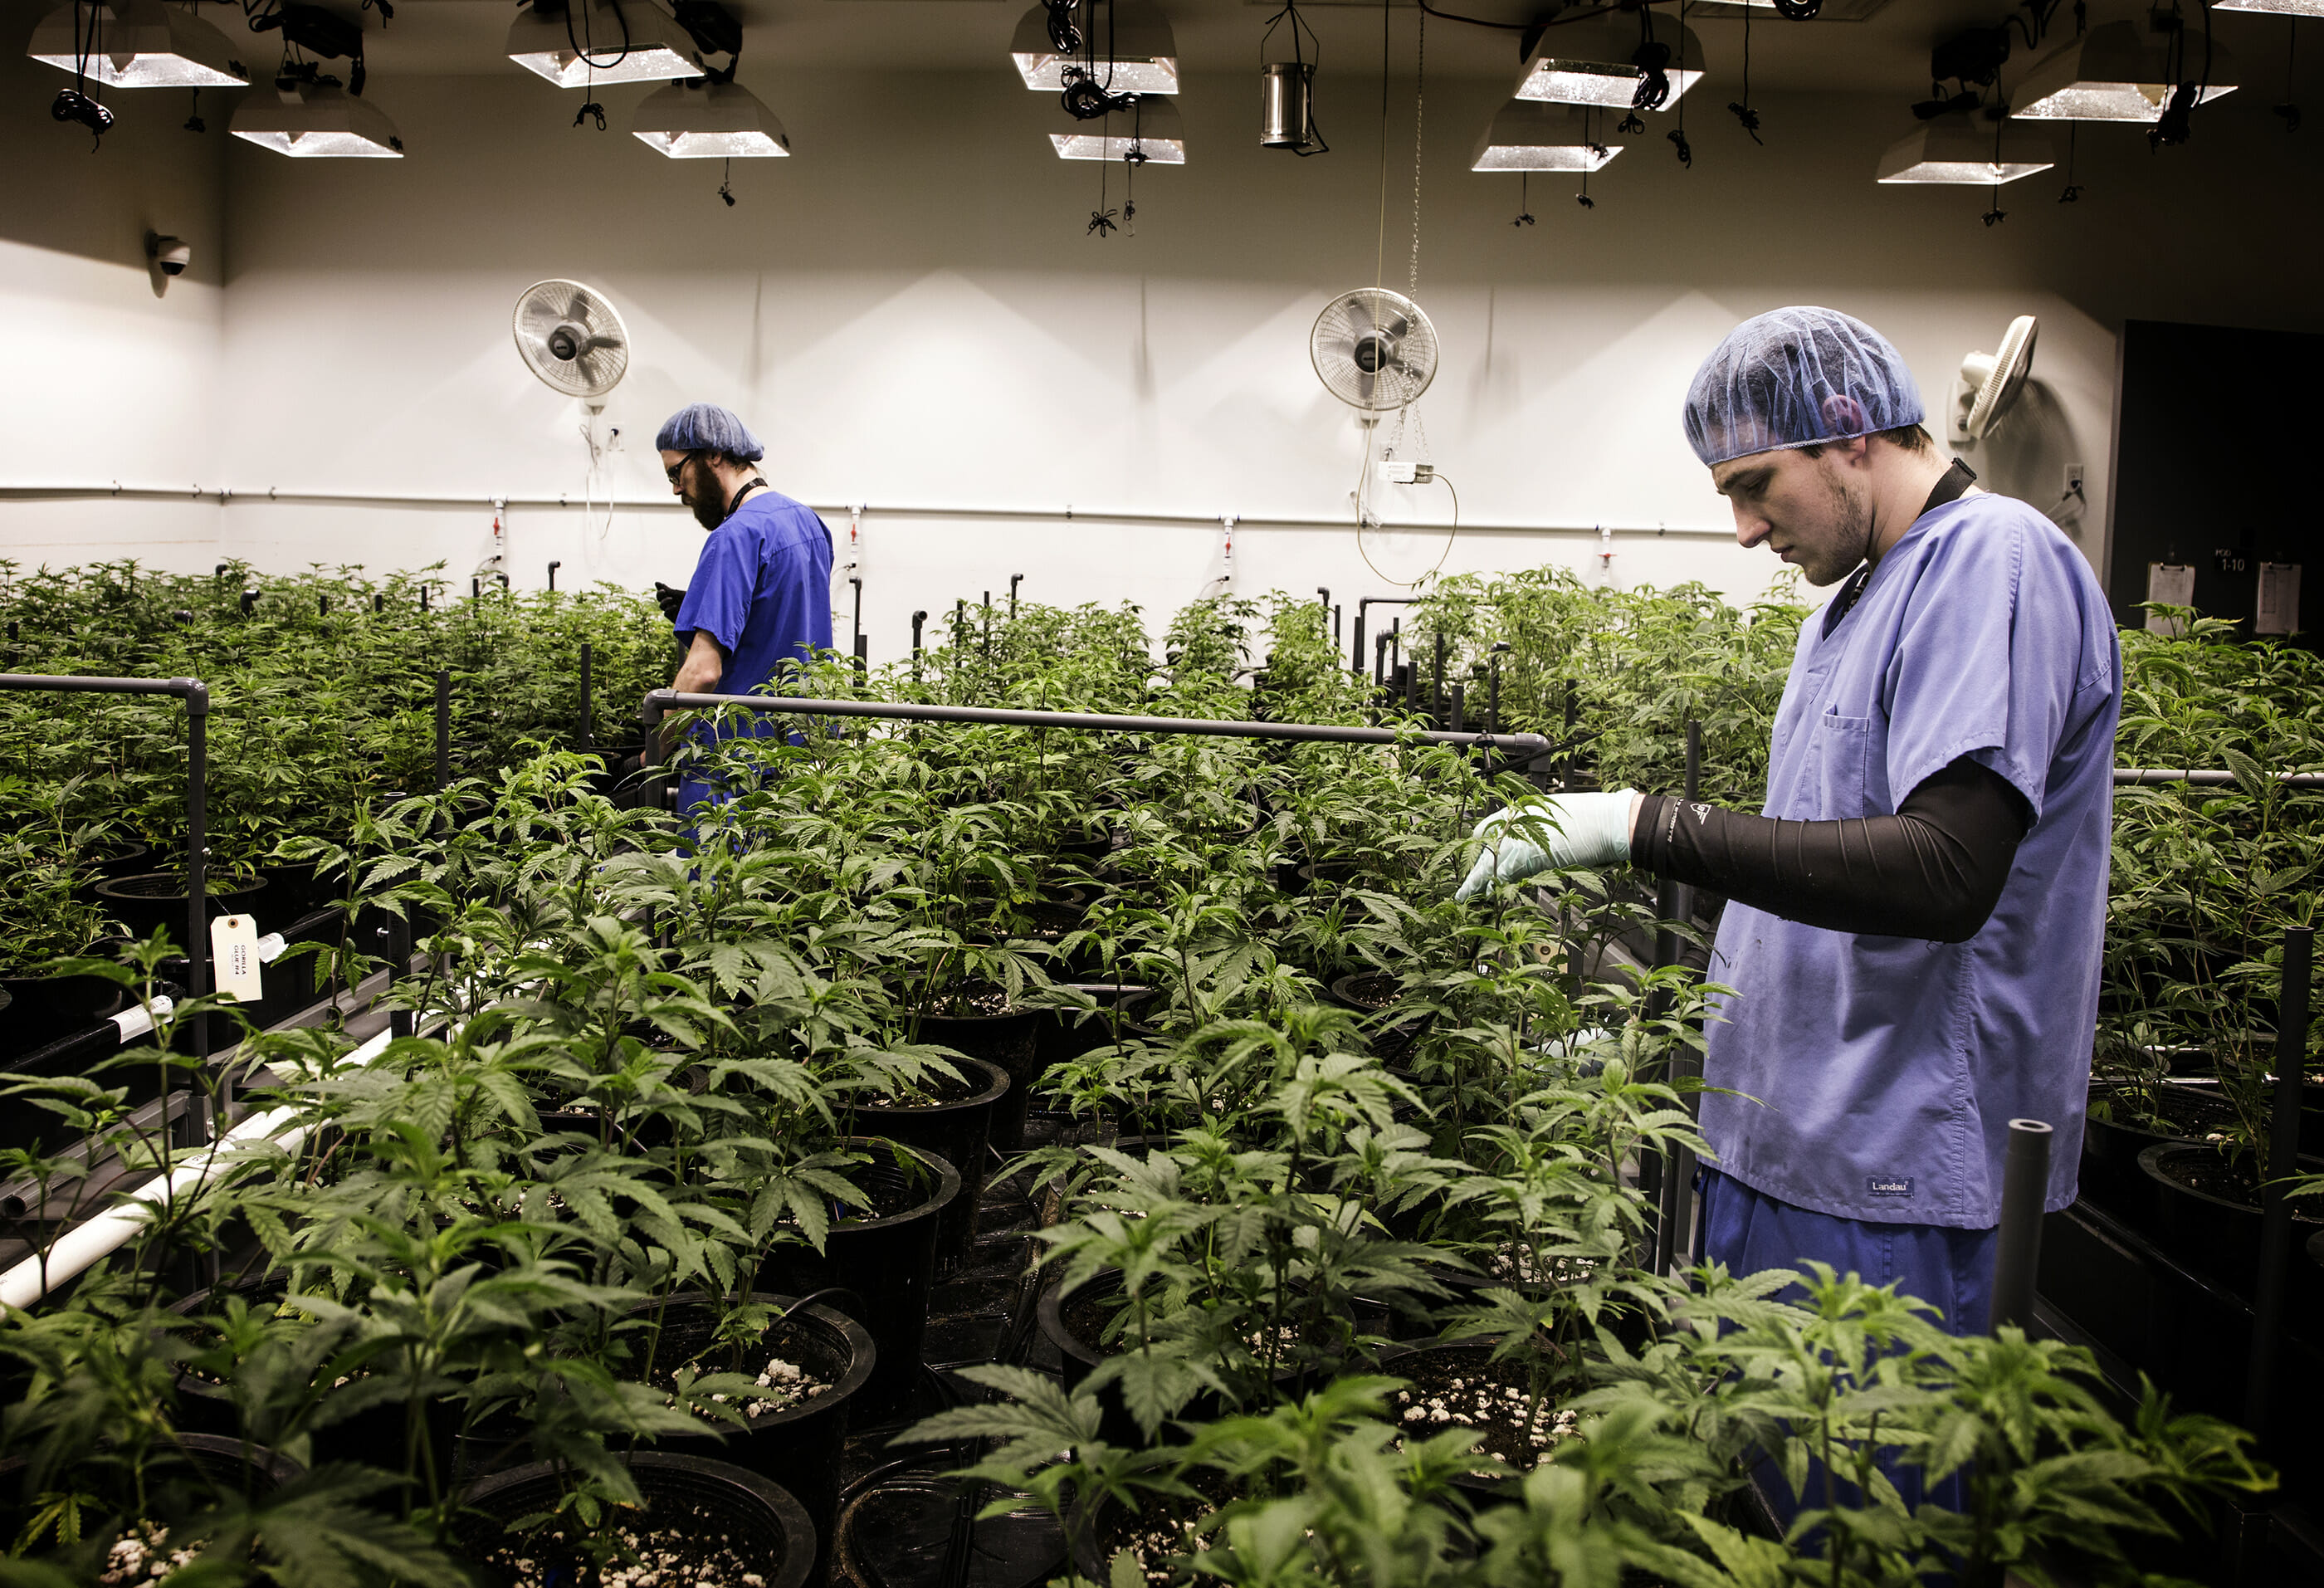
587,42
1152,127
1526,135
700,120
1595,63
1956,154
138,44
2272,7
1136,52
316,121
2114,72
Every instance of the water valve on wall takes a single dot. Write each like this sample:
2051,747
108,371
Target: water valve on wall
1227,521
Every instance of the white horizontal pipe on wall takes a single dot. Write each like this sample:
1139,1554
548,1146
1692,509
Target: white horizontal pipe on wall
225,495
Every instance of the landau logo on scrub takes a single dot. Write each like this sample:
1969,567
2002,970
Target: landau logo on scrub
1887,1186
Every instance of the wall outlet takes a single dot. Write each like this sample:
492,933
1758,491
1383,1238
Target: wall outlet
2074,479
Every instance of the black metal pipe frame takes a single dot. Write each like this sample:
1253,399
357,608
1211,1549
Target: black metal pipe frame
661,703
1363,606
2129,775
443,728
190,1128
1675,1215
2017,1255
2283,1163
554,564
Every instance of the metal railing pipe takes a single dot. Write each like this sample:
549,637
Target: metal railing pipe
659,703
2206,778
2017,1255
2282,1164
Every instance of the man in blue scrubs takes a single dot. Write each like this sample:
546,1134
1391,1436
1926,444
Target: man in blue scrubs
1915,918
761,596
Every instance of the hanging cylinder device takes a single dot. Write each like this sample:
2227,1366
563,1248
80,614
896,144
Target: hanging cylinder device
1287,107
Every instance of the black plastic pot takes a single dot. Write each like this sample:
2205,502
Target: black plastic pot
2110,1176
799,1448
293,889
1077,1358
144,901
43,1010
907,1527
1007,1039
960,1131
752,1515
1393,1045
1059,1035
886,1260
2210,1233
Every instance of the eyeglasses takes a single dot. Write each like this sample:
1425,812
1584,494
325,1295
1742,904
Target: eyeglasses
677,469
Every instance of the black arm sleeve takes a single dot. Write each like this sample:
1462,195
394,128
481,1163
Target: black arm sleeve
1934,869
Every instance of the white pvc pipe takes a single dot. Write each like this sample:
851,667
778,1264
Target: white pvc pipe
87,1243
1067,513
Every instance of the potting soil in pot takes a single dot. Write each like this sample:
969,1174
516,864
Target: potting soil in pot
1464,1391
668,1552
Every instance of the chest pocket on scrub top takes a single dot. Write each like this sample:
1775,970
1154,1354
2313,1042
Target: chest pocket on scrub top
1842,748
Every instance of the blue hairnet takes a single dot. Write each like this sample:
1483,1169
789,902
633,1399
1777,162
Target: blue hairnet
704,426
1793,377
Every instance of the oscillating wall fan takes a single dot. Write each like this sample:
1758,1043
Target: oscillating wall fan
1373,349
1990,381
571,338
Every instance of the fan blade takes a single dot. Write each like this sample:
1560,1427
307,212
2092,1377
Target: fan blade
578,310
594,343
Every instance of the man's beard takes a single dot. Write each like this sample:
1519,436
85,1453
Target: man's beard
1851,536
705,496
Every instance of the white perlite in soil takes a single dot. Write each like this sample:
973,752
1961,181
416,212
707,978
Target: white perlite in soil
786,1384
143,1554
1480,1403
651,1557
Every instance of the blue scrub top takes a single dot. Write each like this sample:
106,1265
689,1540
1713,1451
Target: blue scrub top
1887,1070
762,588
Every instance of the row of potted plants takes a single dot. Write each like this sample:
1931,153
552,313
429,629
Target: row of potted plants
680,1101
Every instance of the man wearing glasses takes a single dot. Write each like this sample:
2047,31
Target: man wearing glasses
760,594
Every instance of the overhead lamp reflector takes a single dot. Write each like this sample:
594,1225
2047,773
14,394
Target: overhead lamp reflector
1137,53
2273,7
703,120
2117,71
138,44
1527,134
310,121
1153,127
1595,63
587,42
1956,152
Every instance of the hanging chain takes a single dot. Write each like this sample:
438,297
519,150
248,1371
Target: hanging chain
1420,102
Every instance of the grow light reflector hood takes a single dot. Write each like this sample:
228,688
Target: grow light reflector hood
542,39
308,121
702,120
1137,52
2272,7
139,44
2115,72
1527,134
1590,63
1154,127
1956,152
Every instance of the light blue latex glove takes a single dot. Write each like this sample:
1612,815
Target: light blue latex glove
1575,830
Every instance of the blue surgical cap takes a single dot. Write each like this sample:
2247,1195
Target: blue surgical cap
704,426
1795,378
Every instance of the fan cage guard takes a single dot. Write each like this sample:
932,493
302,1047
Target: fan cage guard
552,314
1344,339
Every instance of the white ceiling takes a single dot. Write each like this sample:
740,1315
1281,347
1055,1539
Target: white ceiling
1886,53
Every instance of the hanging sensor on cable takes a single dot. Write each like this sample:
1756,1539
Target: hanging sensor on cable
1395,472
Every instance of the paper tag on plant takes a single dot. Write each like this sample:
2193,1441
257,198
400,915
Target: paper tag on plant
234,943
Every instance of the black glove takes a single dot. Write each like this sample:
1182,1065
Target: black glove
670,599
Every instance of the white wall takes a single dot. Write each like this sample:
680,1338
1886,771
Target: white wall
911,314
105,381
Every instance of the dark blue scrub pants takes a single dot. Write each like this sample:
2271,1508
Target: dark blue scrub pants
1951,1269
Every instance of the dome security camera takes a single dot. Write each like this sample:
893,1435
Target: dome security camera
167,253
